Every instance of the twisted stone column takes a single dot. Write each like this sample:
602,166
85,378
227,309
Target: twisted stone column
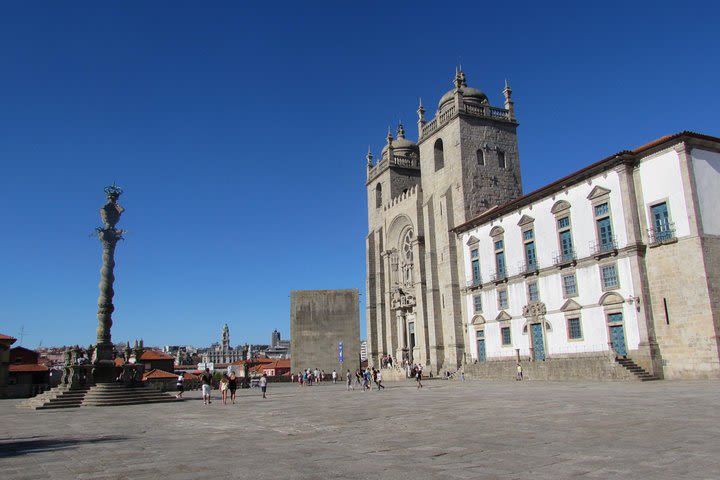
109,236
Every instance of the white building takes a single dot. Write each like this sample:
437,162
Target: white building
621,256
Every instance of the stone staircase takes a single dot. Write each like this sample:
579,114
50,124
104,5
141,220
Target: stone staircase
99,395
639,372
58,397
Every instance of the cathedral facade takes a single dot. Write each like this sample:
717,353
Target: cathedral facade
465,161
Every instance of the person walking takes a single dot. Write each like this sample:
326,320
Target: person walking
379,381
334,376
519,374
418,377
180,385
263,384
349,382
232,386
206,386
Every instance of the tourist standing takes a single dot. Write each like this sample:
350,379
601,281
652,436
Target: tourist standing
418,377
224,388
180,386
349,381
232,386
334,376
263,384
519,375
206,386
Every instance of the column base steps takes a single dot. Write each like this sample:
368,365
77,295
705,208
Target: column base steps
99,395
639,372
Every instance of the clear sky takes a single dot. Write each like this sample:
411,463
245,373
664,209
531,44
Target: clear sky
238,131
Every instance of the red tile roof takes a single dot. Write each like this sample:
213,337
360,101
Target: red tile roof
7,337
155,355
119,362
27,368
190,376
155,374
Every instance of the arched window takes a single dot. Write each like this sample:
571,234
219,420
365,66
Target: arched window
501,159
378,196
439,154
480,157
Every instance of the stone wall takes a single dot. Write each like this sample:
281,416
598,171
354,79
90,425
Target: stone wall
319,320
595,368
678,280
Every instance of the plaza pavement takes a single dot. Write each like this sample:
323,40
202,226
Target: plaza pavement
478,430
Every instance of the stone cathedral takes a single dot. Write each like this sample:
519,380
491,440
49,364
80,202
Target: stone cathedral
465,162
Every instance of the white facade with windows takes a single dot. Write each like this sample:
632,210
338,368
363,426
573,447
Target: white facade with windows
578,267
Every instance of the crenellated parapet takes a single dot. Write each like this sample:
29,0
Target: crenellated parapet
411,193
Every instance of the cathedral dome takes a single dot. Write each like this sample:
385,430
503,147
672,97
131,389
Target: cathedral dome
402,147
472,96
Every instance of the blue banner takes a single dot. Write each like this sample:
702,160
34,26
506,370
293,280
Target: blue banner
340,352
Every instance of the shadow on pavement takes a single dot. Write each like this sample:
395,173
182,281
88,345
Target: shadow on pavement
14,448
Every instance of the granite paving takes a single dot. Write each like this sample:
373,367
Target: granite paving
448,429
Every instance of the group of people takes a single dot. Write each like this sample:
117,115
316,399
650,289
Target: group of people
309,377
365,378
228,386
386,361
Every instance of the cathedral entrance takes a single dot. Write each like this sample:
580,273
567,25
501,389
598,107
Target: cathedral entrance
535,314
538,344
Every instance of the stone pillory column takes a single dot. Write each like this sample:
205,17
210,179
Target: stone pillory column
109,235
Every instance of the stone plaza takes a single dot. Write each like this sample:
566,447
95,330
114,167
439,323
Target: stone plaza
448,429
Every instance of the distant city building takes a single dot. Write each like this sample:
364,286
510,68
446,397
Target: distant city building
363,350
223,352
278,348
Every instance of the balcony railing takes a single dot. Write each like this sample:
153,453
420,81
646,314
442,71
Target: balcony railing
474,283
527,268
661,234
603,247
498,276
564,258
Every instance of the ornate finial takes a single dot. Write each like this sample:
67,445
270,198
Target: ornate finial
369,156
113,192
458,78
421,112
389,136
507,91
462,78
400,130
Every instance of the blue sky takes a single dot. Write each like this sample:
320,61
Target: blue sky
238,131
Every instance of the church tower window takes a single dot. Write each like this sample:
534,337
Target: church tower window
378,196
480,156
501,159
439,154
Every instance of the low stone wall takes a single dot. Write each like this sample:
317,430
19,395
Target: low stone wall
597,368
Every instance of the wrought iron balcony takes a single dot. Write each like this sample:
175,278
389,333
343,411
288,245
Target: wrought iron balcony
609,245
564,258
527,268
661,234
500,276
474,283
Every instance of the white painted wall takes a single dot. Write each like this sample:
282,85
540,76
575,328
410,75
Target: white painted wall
593,321
706,165
660,180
